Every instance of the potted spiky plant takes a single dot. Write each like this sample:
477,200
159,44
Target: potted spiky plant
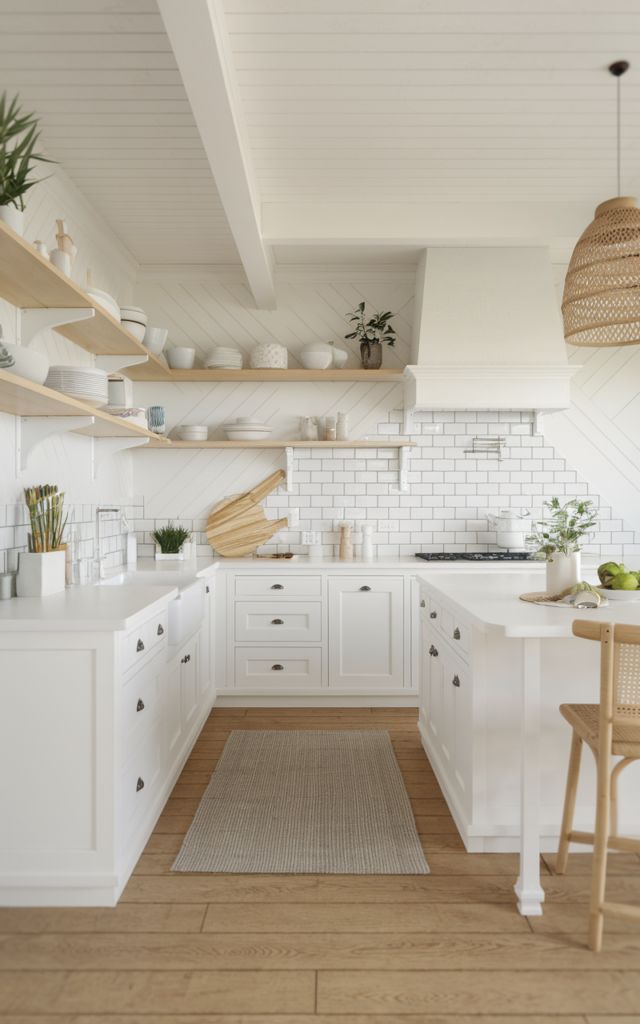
19,135
41,569
170,541
373,334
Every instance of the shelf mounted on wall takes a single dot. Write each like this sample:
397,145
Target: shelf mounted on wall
103,448
33,430
32,322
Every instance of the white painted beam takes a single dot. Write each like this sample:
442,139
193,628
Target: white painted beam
425,223
199,39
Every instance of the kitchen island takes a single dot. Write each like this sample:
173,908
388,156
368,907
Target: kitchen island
493,672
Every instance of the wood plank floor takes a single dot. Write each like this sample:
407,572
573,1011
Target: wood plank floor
445,948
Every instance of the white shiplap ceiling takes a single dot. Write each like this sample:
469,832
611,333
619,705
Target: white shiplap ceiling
437,100
102,75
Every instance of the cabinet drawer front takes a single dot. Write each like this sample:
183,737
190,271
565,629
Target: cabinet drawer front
138,780
299,667
135,647
157,628
455,631
435,612
140,704
273,622
278,586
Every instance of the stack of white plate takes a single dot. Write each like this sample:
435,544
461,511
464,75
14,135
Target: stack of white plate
246,429
224,359
87,385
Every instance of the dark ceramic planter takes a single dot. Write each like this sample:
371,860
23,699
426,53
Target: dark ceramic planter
371,355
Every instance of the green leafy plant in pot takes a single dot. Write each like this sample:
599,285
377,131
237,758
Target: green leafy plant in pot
19,135
170,539
372,334
558,538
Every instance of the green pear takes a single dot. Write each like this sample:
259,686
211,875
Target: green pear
624,581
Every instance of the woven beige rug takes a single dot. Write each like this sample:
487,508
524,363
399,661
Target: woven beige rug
296,801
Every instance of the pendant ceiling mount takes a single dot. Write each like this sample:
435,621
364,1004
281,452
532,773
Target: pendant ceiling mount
601,302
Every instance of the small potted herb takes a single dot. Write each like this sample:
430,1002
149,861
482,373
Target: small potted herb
169,541
558,537
373,334
18,137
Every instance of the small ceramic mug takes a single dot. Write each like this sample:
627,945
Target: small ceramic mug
155,419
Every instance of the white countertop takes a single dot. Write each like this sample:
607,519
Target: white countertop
388,563
84,608
490,602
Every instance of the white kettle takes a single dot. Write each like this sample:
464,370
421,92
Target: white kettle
511,530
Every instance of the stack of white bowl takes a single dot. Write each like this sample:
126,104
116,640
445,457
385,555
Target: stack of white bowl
154,339
87,385
192,432
134,320
224,359
105,300
246,429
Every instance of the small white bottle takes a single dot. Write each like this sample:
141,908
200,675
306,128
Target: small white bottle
367,545
342,427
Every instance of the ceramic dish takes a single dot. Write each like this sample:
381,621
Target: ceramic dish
138,330
155,339
27,363
238,434
133,313
619,595
181,358
193,433
105,300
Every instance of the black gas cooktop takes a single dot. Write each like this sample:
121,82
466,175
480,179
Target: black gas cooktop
474,556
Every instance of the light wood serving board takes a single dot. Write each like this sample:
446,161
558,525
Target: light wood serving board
238,525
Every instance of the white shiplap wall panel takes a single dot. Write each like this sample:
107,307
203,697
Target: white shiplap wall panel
115,115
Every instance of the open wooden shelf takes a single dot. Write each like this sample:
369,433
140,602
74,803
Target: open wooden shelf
30,281
148,371
20,397
400,443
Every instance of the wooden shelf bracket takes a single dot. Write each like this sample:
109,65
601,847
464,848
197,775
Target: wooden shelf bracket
32,322
104,447
111,364
33,430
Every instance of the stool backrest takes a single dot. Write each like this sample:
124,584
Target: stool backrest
619,666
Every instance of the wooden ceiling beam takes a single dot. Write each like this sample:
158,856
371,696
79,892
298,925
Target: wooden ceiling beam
199,39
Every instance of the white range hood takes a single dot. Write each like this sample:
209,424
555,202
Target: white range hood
487,332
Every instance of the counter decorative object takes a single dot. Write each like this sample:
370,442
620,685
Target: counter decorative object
269,356
169,541
238,524
308,428
42,570
316,356
372,335
155,419
346,541
558,538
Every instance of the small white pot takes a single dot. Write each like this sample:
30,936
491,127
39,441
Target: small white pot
165,558
563,571
40,573
13,218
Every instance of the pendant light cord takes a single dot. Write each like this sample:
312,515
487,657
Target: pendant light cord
618,69
618,89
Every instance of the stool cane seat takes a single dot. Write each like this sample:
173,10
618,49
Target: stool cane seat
585,719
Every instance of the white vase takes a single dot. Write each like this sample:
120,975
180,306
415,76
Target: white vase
269,356
13,218
40,573
563,571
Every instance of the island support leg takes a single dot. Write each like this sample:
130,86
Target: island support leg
528,889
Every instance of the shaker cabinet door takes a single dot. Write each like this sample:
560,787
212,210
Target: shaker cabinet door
366,632
456,731
431,683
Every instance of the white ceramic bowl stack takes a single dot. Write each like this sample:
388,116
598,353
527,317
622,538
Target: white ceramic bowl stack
134,320
246,429
316,356
224,359
105,300
155,339
26,363
81,382
193,432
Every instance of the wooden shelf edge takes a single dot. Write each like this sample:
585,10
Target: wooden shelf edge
147,373
286,444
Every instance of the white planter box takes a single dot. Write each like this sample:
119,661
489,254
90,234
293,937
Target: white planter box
163,558
40,573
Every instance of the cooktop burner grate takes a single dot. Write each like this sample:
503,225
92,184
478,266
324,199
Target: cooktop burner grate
475,556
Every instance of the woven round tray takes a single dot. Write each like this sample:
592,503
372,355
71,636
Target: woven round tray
539,597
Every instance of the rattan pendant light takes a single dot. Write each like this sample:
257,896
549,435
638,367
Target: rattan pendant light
601,302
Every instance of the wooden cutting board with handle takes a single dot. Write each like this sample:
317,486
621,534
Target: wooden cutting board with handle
238,525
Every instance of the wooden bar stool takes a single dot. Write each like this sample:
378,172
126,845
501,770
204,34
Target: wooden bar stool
609,728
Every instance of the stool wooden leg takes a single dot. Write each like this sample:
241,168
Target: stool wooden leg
569,803
601,839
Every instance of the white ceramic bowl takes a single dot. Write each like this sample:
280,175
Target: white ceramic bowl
316,360
619,595
238,434
181,358
138,330
133,313
192,432
105,300
155,339
26,363
339,358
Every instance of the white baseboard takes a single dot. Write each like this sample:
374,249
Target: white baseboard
283,701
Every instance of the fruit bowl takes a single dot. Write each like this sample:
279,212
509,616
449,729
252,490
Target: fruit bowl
619,595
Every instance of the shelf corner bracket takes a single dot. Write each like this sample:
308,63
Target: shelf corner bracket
104,447
111,364
289,469
33,430
34,321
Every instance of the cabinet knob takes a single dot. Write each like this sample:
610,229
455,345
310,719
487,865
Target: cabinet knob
433,615
277,668
206,590
140,646
455,681
140,705
277,586
433,652
160,629
277,622
139,784
456,634
423,604
365,588
186,658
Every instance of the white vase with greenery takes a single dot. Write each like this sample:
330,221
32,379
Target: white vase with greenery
558,539
18,137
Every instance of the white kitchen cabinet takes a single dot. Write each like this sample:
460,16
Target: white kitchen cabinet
366,632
